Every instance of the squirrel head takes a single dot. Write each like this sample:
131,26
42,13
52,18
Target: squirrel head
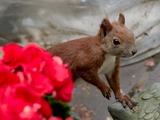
116,39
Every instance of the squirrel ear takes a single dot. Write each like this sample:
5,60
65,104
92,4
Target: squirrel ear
105,27
121,19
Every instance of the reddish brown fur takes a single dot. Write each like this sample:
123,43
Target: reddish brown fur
86,56
79,54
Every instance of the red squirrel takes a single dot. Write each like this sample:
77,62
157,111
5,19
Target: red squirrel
91,56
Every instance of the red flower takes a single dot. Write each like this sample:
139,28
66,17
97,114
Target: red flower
69,118
55,118
11,54
59,74
26,76
65,92
34,57
39,82
61,77
21,102
6,77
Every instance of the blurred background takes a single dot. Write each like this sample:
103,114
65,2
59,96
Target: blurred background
48,22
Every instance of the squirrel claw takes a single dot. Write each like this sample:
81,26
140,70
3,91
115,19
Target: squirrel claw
127,101
107,94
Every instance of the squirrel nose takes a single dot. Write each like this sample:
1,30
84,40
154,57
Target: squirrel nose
134,52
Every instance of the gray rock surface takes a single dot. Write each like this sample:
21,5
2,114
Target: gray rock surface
147,109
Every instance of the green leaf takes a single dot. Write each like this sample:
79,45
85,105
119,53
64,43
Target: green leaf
60,108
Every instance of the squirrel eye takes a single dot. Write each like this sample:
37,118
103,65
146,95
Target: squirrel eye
116,41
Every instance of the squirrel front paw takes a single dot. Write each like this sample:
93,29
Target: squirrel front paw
106,93
126,101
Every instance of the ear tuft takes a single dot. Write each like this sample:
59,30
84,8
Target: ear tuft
121,19
105,27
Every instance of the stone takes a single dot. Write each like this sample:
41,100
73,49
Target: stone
141,114
117,111
148,106
146,96
151,108
157,94
153,91
156,116
149,116
158,98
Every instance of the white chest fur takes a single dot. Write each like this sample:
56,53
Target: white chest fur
108,65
